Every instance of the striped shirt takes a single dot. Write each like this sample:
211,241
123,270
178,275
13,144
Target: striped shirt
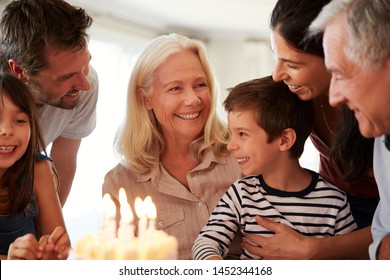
320,210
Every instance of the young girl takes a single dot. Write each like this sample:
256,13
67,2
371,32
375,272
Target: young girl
31,221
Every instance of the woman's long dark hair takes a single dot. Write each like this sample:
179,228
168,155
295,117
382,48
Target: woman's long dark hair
351,153
18,178
292,18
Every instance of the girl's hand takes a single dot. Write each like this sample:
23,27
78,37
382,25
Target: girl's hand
25,247
56,245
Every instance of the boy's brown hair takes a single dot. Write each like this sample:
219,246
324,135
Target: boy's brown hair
275,108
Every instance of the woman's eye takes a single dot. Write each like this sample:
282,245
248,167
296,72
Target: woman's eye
175,88
200,85
292,66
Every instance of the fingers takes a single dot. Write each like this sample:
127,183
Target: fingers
268,224
61,242
24,248
53,246
56,234
43,241
256,239
259,245
63,248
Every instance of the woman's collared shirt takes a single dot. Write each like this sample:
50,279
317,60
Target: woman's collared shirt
181,211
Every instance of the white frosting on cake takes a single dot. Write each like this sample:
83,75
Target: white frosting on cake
119,243
155,245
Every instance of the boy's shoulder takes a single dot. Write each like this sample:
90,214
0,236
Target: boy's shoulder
323,184
249,181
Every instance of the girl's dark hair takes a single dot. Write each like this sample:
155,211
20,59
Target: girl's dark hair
351,153
18,178
292,18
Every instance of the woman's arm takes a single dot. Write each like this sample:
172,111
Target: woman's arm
288,244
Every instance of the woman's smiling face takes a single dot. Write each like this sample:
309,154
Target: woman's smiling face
304,73
180,97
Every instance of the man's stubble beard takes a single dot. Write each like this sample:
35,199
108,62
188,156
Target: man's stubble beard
41,98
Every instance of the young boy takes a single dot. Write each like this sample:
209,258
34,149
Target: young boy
269,126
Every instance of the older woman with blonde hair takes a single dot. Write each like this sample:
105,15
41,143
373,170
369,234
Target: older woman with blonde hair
172,144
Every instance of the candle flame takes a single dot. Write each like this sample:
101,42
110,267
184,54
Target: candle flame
125,210
150,208
109,208
139,207
126,213
122,196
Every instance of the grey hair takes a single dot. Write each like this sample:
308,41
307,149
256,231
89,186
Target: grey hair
368,29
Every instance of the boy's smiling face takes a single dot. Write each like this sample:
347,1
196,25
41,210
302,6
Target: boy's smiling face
249,144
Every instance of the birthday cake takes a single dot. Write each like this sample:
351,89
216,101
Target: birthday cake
155,246
112,243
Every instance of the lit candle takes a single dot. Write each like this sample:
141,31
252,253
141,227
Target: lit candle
151,212
109,213
126,229
141,214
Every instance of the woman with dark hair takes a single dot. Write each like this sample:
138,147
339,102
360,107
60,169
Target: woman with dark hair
345,156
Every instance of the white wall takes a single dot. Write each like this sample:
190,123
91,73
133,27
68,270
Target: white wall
235,61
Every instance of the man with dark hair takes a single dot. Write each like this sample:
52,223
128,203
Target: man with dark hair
44,43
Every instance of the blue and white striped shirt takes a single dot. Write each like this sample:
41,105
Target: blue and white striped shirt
320,210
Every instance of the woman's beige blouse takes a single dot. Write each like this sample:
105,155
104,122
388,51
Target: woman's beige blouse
181,212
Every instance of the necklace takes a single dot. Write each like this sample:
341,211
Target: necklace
326,122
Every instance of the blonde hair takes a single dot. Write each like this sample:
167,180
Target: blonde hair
139,141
